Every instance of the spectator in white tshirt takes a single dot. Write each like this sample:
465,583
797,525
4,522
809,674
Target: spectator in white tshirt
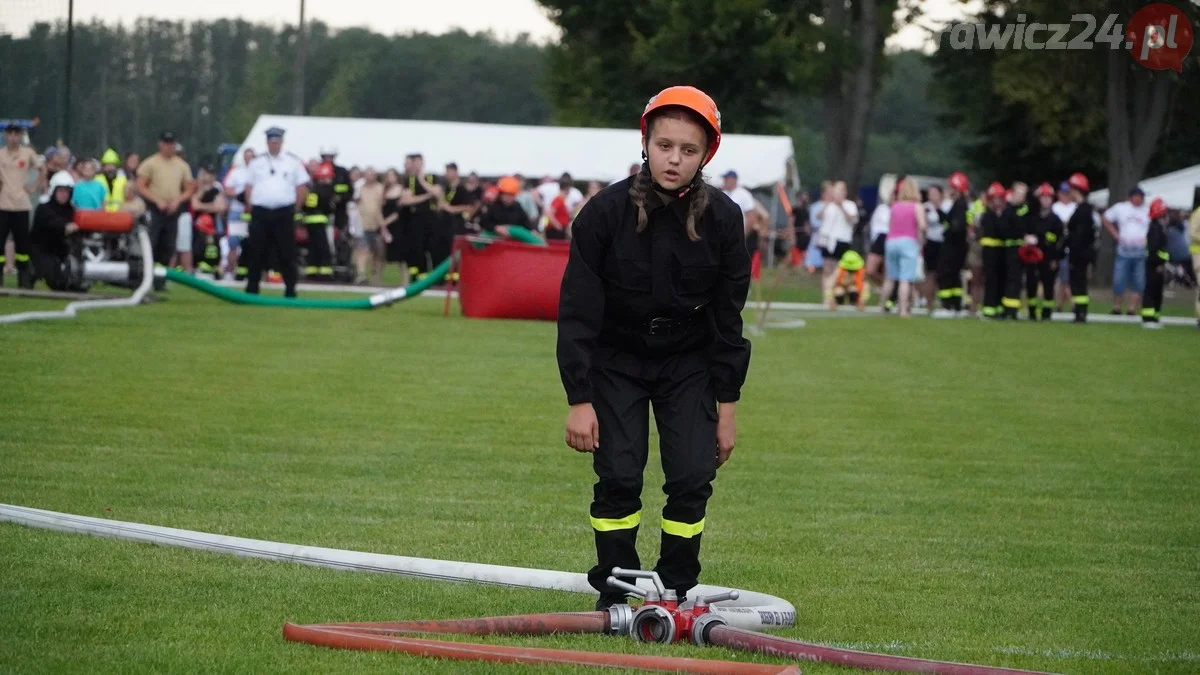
740,196
837,230
545,193
238,221
1129,222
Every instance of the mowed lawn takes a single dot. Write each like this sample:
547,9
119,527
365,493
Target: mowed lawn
1021,494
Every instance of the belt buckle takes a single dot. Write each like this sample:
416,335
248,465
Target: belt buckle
655,323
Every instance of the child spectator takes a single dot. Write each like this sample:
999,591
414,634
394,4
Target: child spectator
89,194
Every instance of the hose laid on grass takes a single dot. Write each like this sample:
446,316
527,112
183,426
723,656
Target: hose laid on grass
330,636
434,277
773,645
754,611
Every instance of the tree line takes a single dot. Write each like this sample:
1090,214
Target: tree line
815,69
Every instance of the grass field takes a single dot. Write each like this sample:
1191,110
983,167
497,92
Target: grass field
1016,494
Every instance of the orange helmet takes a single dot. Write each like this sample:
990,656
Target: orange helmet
204,223
508,185
958,181
1158,208
1045,190
698,102
1079,182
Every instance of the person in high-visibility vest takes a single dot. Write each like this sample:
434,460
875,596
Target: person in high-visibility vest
114,181
316,215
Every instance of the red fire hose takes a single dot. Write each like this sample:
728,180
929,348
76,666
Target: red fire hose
736,638
380,636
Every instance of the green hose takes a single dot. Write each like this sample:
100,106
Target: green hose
241,298
435,276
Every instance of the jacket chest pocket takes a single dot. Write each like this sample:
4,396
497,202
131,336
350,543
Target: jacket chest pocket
696,278
628,273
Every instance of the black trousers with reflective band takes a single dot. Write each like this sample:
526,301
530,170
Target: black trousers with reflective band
680,390
1041,273
995,264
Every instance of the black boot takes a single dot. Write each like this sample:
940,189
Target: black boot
1047,313
1080,314
607,600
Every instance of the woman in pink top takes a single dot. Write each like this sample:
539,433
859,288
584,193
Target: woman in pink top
903,246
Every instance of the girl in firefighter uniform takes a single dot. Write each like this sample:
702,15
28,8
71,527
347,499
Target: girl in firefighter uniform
650,318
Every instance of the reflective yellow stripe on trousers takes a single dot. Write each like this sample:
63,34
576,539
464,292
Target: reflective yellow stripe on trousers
611,524
685,530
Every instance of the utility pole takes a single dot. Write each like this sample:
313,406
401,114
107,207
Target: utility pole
301,54
66,118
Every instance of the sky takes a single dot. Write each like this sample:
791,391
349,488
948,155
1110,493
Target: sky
506,18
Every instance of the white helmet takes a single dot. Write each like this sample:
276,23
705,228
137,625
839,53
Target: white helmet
329,151
61,179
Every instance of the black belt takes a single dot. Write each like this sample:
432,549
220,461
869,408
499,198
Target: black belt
663,325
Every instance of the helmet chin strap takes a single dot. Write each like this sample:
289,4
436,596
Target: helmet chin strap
678,193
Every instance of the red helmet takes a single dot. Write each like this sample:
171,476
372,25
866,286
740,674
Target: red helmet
1045,190
698,102
204,223
959,182
1158,208
490,193
1030,254
1079,182
324,171
996,189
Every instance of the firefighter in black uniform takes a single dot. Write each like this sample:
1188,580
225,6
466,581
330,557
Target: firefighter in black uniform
650,316
991,238
1042,249
1013,226
954,246
418,219
54,239
456,205
1156,264
342,189
316,215
1081,242
505,211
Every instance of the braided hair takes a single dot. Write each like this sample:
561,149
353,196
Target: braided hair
697,189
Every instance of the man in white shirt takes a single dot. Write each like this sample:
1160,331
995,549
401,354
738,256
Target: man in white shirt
275,188
837,230
1129,222
740,196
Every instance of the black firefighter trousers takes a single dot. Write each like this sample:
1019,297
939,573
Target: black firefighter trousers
273,230
680,390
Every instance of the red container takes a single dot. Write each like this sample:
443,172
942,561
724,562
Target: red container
510,280
117,222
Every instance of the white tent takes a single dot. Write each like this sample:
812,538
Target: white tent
501,149
1177,189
